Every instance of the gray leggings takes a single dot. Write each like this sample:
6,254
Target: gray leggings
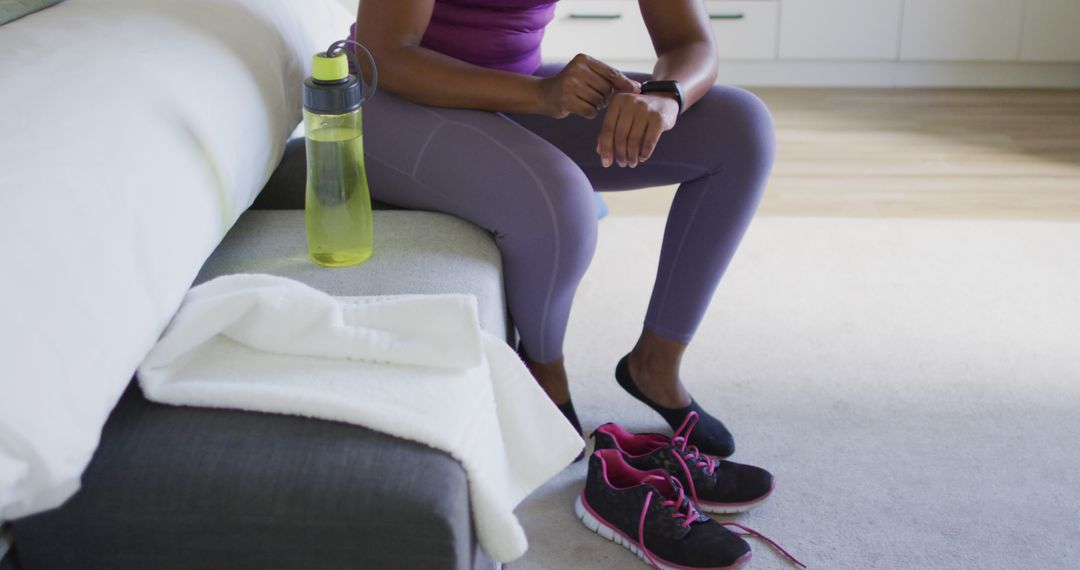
529,180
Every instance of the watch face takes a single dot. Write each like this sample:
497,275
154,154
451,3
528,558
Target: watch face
664,87
668,86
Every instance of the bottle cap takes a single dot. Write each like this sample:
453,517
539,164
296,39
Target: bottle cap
331,89
329,69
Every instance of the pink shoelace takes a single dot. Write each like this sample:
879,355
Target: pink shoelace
684,510
751,532
690,453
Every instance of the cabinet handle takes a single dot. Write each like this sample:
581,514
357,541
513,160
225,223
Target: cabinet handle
738,16
595,16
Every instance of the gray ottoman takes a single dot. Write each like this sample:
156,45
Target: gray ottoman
187,488
415,253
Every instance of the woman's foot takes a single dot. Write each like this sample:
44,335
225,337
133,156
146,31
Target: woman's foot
650,374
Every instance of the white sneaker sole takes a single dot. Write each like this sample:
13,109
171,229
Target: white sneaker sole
613,534
733,508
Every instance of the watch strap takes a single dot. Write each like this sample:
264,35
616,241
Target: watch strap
664,86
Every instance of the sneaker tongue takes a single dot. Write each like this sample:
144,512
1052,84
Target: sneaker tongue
664,484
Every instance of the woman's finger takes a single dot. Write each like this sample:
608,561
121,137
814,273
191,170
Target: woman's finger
590,95
600,85
605,143
653,130
622,133
613,76
635,140
584,107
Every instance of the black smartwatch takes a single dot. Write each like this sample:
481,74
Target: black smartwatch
666,86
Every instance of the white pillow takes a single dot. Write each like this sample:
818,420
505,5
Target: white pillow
133,133
351,6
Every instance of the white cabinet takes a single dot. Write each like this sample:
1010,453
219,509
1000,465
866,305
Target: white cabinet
604,29
874,43
840,29
1051,31
961,30
744,29
614,30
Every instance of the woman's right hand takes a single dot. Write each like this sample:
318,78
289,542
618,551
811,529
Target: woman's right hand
583,87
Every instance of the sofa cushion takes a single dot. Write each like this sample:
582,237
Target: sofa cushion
414,253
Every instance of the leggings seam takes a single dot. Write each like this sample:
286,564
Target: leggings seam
430,111
678,253
369,156
423,147
554,223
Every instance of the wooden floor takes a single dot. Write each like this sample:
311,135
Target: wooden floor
998,154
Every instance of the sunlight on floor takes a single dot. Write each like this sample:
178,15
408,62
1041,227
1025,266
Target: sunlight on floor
991,154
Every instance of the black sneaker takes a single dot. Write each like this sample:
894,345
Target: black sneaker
717,485
648,513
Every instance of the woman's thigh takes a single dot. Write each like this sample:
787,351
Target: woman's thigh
724,125
488,170
476,165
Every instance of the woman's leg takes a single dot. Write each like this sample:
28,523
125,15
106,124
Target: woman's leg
720,151
484,168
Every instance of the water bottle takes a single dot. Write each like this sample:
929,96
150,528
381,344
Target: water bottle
337,203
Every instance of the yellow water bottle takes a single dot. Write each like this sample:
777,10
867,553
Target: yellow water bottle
337,203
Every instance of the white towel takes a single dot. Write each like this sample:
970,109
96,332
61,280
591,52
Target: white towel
417,367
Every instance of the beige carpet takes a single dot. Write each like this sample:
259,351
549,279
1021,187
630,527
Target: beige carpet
914,385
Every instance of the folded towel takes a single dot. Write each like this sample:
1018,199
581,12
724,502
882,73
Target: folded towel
417,367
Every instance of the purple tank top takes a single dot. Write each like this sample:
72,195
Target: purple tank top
498,34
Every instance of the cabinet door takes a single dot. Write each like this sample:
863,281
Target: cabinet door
840,29
744,29
1051,31
604,29
961,30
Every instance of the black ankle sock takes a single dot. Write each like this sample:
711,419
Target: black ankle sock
709,435
567,410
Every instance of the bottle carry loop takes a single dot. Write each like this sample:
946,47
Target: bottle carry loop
342,46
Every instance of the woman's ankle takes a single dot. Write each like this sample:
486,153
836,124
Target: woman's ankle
654,368
552,378
660,386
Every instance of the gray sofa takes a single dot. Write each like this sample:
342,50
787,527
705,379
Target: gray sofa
177,487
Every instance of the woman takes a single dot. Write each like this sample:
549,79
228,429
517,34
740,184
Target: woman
470,123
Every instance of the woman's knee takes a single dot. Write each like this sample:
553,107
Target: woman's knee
560,211
743,123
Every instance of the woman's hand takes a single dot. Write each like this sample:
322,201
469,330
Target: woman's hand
583,87
633,125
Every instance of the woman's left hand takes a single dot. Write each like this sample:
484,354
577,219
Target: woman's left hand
633,125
